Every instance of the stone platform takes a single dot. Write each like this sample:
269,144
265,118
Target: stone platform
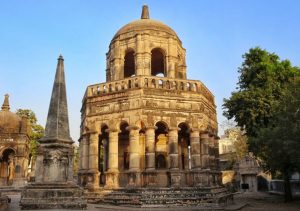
162,197
52,196
4,200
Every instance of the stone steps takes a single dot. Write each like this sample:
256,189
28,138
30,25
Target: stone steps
158,197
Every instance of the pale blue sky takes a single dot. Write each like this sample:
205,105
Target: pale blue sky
215,34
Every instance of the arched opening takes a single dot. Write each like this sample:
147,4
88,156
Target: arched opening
157,63
7,167
129,64
103,153
161,145
184,147
123,147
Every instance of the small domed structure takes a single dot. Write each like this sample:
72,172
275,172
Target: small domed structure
9,121
14,149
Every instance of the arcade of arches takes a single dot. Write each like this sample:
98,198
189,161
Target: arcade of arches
148,125
145,156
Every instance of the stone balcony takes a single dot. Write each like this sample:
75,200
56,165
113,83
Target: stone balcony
149,82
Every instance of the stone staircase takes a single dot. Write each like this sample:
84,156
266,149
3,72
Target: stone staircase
162,197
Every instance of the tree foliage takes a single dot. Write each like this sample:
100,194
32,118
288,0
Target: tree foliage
262,81
266,105
36,130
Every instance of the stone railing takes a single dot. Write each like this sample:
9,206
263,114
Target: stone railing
150,82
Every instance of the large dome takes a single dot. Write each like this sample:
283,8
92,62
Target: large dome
9,121
144,24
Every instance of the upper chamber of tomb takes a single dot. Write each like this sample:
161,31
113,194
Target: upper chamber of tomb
145,47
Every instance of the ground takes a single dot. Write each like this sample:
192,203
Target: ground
253,202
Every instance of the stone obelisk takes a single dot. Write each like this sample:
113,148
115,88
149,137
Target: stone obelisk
54,186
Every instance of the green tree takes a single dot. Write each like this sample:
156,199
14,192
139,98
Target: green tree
262,81
279,142
36,130
264,88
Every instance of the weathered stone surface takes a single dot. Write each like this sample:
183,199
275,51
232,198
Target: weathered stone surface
3,202
155,128
14,147
52,196
54,186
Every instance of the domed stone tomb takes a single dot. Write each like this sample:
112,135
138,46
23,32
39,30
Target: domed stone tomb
14,147
148,130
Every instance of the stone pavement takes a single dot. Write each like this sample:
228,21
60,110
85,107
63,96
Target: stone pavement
262,201
253,201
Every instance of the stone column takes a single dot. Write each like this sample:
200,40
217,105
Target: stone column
173,148
211,151
173,157
80,154
172,53
217,153
85,153
204,140
93,178
112,174
147,55
138,56
134,156
195,149
150,148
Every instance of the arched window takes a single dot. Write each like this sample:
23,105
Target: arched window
129,64
161,145
157,62
160,162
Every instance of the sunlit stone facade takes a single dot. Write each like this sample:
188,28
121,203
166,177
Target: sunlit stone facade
148,125
14,147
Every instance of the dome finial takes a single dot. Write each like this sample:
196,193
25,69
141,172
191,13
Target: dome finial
5,105
145,12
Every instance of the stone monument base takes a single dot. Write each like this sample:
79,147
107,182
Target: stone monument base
210,198
52,196
4,200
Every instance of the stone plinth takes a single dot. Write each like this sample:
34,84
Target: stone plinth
3,202
52,196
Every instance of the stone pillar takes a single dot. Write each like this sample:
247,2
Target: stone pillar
204,140
80,154
195,149
112,174
147,55
172,53
173,157
173,148
150,148
138,56
217,160
93,178
212,151
85,153
134,156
